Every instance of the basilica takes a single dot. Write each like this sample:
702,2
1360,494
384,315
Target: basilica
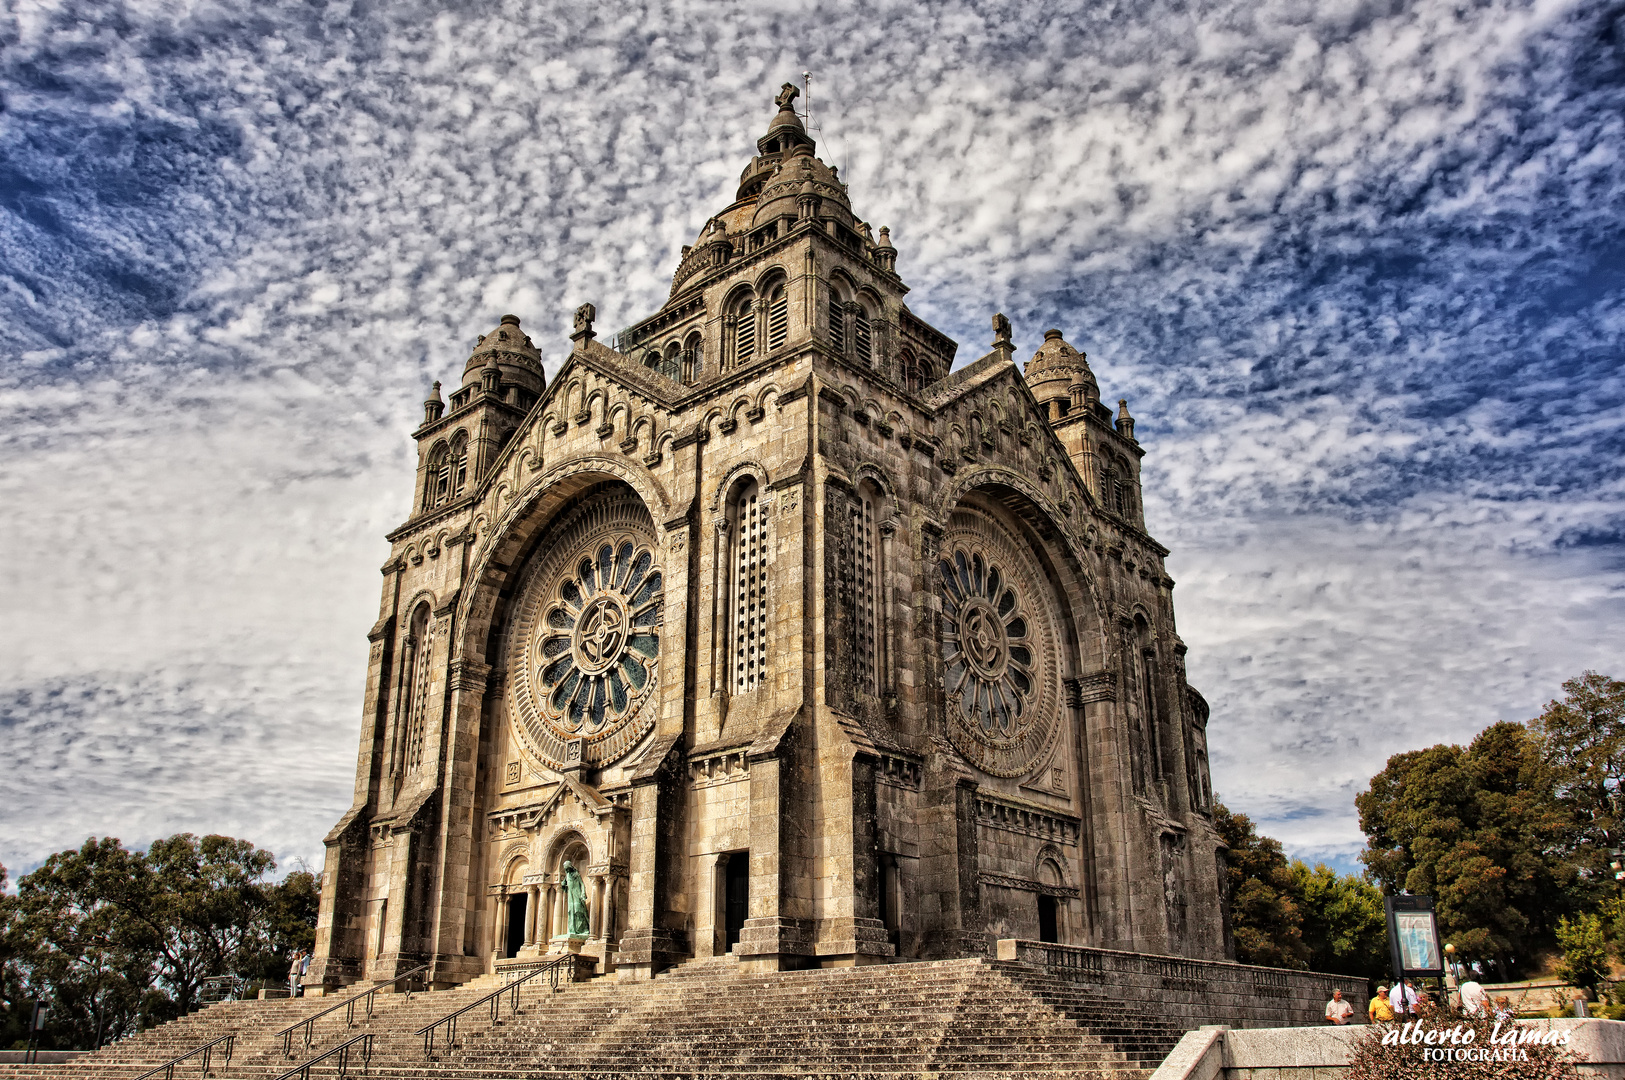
764,629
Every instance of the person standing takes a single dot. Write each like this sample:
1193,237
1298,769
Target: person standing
1338,1011
296,970
1379,1011
1473,998
1402,999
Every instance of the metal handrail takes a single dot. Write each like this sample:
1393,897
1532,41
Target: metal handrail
348,1005
494,999
343,1051
207,1050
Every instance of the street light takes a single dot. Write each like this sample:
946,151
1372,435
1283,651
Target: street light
1450,965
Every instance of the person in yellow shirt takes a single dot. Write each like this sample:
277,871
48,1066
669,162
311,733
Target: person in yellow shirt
1379,1011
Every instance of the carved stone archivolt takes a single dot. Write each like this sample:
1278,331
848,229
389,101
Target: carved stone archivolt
585,644
999,647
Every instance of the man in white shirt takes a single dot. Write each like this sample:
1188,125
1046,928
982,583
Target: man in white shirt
1402,998
1473,998
1338,1011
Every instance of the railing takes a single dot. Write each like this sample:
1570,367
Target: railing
343,1052
308,1023
220,988
494,1000
207,1052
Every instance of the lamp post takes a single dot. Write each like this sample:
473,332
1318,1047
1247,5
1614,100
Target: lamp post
1450,967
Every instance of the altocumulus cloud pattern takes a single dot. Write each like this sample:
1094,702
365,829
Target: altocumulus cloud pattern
1359,266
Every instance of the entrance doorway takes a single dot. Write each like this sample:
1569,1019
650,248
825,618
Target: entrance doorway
1048,924
517,905
736,890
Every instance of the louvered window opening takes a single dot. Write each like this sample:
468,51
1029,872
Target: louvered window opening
864,339
837,325
745,336
778,320
750,596
864,580
459,468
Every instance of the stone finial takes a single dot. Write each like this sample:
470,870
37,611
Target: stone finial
787,94
1125,422
585,314
433,408
1001,332
885,254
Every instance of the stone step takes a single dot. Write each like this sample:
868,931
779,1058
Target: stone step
704,1018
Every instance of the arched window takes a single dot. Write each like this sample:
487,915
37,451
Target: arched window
778,317
692,350
651,359
866,592
744,331
837,323
910,369
672,366
437,481
862,337
747,589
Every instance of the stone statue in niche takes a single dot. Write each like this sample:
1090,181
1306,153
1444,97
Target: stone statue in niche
575,900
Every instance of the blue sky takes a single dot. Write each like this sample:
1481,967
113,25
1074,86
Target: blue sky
1359,268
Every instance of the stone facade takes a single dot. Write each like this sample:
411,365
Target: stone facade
795,644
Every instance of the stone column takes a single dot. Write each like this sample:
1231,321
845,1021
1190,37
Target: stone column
595,914
501,949
496,920
533,903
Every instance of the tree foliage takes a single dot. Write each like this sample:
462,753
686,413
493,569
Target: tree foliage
1477,829
1585,951
1343,923
1582,742
1264,917
1288,914
117,939
1511,833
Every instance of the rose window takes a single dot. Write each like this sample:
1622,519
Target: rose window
986,652
599,639
1000,646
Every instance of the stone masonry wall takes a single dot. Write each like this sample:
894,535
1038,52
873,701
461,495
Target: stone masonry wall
1195,992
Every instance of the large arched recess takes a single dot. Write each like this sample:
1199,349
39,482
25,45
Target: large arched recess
1083,624
509,542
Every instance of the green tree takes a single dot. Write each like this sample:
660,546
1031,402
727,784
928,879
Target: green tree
201,908
1478,829
1585,951
13,1029
78,949
1342,921
1582,741
1264,918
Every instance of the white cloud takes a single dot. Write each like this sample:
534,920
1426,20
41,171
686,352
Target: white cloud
1355,265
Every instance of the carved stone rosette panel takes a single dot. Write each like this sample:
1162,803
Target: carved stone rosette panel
585,643
998,645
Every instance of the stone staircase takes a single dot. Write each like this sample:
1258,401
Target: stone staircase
706,1019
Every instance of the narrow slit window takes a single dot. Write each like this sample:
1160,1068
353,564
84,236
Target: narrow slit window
749,593
837,325
417,704
864,337
865,580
